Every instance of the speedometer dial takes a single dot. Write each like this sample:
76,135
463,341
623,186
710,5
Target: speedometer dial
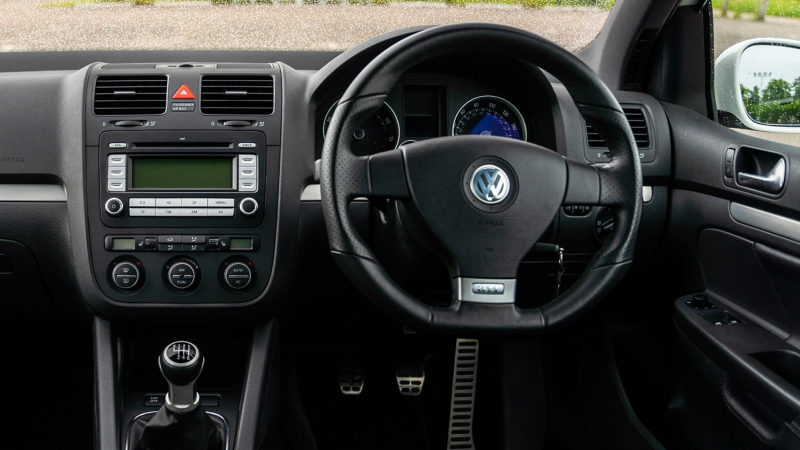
379,133
490,116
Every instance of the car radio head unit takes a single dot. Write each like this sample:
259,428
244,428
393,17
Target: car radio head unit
172,179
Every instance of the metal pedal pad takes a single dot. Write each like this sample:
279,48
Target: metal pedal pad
351,380
410,378
462,399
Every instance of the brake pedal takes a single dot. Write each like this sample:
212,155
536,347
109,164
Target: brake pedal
351,380
462,399
410,378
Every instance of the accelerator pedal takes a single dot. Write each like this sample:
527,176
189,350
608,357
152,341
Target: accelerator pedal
410,378
462,399
351,380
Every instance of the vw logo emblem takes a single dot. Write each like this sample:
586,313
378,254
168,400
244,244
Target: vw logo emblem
490,184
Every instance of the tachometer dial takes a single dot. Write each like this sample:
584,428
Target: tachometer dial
379,133
490,116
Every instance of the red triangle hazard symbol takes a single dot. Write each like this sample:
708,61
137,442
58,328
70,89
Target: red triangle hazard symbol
183,93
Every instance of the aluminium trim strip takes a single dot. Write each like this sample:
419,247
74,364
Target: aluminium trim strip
772,223
32,193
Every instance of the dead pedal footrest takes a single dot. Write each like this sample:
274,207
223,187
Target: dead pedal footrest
462,399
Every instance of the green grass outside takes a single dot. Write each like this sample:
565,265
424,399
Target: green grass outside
782,8
605,4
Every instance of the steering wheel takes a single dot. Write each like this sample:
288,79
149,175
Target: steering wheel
486,200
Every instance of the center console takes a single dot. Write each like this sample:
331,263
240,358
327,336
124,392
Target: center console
182,170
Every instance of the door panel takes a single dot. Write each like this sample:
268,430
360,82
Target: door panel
740,356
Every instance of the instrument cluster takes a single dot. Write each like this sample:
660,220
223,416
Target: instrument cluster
426,107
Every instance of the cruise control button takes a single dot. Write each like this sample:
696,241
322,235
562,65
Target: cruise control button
169,239
167,202
220,212
219,202
193,239
194,202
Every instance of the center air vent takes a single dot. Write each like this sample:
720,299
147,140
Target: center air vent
237,94
128,95
638,122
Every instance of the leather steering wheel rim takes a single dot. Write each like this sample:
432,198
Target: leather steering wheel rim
617,185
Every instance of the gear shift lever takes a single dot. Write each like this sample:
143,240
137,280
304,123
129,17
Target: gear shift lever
182,422
181,363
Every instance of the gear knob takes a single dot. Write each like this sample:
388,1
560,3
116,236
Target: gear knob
181,364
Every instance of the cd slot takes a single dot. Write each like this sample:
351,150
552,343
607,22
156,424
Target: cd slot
207,145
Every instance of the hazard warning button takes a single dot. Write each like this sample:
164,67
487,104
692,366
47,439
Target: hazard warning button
183,93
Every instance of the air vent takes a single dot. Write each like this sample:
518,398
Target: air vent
127,95
636,60
237,94
638,122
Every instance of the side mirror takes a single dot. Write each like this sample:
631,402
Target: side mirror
757,85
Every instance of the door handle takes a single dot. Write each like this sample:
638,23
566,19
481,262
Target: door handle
771,182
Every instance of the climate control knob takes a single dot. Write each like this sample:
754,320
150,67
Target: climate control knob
114,206
181,275
125,275
237,275
248,206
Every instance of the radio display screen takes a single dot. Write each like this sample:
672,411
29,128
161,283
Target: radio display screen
182,173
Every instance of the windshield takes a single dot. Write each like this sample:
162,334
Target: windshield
44,25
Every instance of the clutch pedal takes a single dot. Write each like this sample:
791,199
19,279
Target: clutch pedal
351,380
410,378
462,399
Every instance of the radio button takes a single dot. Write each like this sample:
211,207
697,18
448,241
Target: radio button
114,206
194,212
193,239
247,145
116,172
117,160
169,239
117,145
248,206
247,172
142,211
116,185
248,185
220,202
248,160
168,202
220,212
194,202
142,202
168,212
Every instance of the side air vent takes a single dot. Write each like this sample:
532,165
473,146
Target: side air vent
638,122
634,71
127,95
237,94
